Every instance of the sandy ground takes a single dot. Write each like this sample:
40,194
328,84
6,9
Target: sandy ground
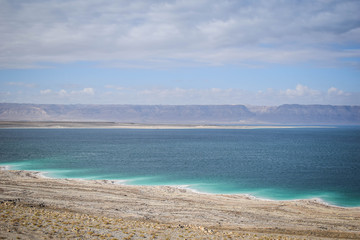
114,125
33,207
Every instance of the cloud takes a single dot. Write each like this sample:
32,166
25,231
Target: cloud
46,91
335,91
86,91
21,84
62,96
301,91
119,88
207,32
62,93
89,91
300,94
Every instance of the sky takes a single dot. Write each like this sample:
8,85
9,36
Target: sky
262,52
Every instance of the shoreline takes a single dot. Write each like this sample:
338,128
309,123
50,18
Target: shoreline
124,182
116,125
145,209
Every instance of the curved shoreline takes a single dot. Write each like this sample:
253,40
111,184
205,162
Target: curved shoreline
218,213
42,174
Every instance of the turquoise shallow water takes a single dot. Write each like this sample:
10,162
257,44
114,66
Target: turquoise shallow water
279,164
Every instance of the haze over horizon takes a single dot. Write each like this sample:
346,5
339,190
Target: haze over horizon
180,52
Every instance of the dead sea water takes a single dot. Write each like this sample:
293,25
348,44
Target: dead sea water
279,164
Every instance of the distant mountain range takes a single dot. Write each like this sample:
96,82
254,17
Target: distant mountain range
185,114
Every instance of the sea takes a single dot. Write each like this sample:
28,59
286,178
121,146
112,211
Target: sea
274,164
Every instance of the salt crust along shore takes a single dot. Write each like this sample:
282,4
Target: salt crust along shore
114,125
33,207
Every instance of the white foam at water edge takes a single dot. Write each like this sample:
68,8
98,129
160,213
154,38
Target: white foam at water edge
180,186
252,197
316,200
36,173
188,188
5,167
42,175
321,201
121,182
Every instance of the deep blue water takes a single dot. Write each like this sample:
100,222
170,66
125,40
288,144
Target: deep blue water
278,164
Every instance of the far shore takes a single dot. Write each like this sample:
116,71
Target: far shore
116,125
33,207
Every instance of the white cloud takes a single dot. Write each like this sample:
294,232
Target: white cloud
46,91
147,33
300,94
119,88
301,91
86,91
21,84
4,95
335,91
63,93
63,96
89,91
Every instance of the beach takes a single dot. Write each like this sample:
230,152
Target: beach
116,125
35,207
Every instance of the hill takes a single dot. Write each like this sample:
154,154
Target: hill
185,114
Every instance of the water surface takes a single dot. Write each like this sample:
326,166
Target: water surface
279,164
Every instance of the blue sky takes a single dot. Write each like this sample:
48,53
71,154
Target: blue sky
180,52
